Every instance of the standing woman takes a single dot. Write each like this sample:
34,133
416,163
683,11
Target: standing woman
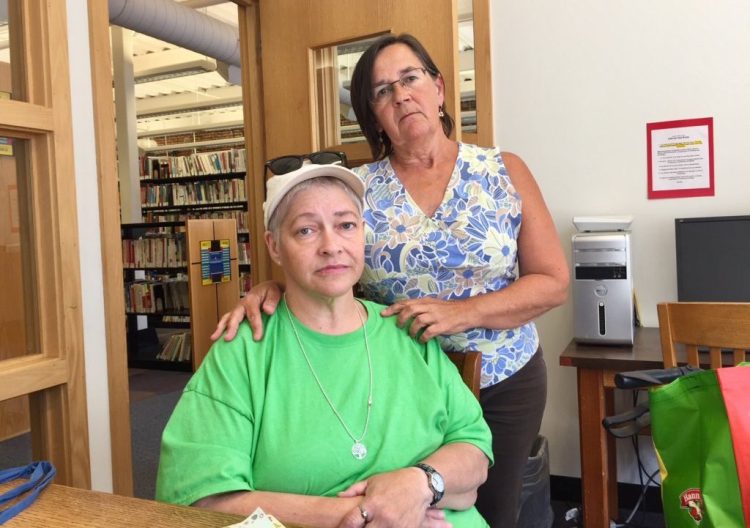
459,243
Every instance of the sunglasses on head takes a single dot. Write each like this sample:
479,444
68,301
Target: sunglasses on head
286,164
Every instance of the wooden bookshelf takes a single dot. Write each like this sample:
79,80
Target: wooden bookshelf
156,292
208,302
177,187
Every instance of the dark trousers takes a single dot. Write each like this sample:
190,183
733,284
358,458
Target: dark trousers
513,409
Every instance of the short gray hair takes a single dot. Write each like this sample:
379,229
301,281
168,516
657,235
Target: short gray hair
277,218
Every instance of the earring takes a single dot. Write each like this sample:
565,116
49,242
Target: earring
440,112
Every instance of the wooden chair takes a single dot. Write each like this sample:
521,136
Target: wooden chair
712,326
469,365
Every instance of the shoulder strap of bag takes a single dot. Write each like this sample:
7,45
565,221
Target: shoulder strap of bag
38,475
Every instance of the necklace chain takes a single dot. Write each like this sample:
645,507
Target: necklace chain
359,451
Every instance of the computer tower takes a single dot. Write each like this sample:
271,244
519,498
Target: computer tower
603,287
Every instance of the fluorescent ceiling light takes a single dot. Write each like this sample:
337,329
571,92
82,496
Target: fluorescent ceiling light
172,63
225,117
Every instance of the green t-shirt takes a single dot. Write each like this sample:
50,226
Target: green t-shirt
253,417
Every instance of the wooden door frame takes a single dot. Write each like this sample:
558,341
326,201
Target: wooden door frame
54,376
109,220
485,134
106,148
248,18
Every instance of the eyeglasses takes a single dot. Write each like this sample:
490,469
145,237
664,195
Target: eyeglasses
292,162
412,79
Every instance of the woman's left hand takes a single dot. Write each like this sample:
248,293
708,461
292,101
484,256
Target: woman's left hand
433,519
394,499
431,317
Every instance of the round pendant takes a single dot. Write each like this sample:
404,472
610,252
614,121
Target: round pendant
359,451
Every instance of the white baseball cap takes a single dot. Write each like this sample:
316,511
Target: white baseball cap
278,186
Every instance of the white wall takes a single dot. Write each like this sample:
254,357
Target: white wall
89,237
574,84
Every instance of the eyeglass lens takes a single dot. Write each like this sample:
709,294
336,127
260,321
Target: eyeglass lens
410,79
286,164
327,157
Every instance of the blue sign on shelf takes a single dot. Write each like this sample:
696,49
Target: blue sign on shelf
215,262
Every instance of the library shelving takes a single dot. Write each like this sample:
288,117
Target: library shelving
177,186
156,295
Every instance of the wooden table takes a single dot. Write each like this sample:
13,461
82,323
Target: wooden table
64,507
596,367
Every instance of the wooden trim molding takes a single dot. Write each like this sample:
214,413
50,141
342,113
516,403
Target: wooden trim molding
109,214
54,377
248,17
26,117
27,374
485,135
66,405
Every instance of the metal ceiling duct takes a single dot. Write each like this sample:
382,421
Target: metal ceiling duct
180,25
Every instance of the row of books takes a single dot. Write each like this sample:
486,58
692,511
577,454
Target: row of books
177,348
199,164
155,252
239,216
193,193
176,319
157,296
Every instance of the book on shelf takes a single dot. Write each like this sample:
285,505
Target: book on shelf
177,348
155,296
193,193
176,319
198,164
240,216
155,250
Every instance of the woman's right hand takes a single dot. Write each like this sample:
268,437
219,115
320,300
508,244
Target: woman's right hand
265,296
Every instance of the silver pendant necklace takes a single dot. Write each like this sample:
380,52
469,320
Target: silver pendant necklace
359,450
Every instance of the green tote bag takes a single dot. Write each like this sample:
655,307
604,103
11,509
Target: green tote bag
695,445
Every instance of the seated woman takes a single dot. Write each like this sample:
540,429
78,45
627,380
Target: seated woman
337,417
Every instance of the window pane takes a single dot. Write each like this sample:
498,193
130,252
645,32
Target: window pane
15,267
6,52
15,439
333,68
466,67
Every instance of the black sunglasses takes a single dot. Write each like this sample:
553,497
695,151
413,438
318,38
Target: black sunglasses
289,163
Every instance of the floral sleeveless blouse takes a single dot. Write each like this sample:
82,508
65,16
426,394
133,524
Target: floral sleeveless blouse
468,247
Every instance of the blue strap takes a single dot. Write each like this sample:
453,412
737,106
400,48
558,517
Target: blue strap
38,475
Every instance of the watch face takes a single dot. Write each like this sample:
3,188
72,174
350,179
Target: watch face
437,482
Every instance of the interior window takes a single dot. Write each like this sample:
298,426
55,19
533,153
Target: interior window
333,68
14,250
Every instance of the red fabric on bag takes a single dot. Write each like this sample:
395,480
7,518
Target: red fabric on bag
735,388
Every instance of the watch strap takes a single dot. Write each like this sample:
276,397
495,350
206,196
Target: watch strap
437,494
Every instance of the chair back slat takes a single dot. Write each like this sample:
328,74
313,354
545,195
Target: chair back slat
715,354
692,355
469,365
696,326
739,356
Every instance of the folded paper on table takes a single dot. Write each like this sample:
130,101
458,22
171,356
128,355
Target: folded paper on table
258,519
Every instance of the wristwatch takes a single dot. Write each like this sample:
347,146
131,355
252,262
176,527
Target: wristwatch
434,481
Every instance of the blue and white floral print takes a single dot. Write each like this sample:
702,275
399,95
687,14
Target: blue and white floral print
468,247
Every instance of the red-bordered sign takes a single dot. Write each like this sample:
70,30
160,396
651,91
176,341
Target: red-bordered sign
680,158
